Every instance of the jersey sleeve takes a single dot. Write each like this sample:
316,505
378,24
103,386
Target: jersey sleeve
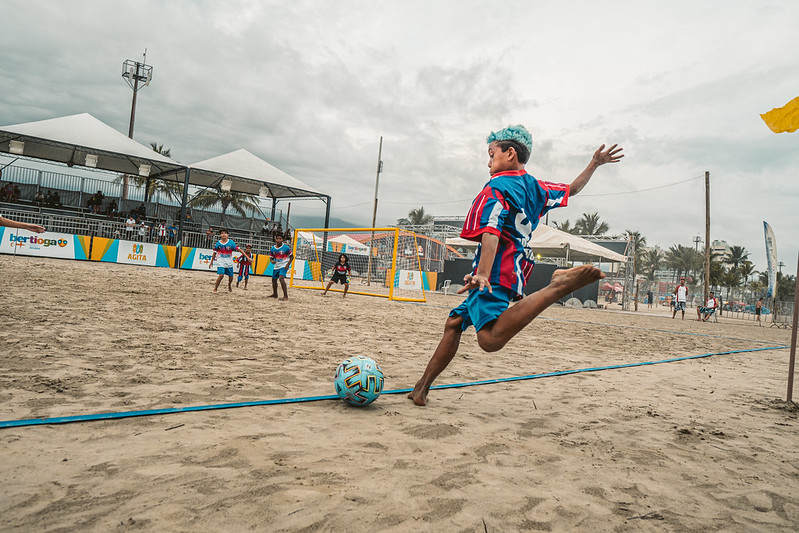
487,214
557,195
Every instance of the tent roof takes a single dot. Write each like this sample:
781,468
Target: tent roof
551,242
248,173
69,139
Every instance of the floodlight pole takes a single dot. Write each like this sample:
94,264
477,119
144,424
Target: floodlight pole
374,211
133,72
707,235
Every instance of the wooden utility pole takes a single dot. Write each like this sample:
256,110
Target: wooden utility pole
374,210
792,358
707,235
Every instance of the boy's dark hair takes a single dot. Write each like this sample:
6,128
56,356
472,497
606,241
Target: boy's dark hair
223,230
522,153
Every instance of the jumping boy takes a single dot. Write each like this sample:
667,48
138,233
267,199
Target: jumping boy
224,248
502,219
281,257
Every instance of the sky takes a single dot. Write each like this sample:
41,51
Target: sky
312,86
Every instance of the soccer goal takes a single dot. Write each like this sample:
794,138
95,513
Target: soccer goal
384,261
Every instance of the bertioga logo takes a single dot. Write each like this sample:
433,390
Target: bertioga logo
19,240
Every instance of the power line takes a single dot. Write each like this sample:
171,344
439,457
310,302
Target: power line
643,190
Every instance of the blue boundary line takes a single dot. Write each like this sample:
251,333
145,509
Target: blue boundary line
171,410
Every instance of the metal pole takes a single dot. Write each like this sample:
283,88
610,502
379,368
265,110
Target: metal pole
374,211
183,202
792,358
707,234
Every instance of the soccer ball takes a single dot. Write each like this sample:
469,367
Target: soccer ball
359,381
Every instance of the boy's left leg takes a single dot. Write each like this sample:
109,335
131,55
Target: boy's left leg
494,336
218,281
274,288
230,283
284,287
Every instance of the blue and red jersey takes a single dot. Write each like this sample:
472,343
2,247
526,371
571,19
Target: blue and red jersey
281,255
224,253
510,206
342,270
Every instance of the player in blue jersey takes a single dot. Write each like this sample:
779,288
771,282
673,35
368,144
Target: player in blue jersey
281,258
223,256
502,219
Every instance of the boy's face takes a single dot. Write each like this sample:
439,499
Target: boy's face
499,161
278,239
223,235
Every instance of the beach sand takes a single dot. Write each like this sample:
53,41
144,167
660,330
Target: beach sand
704,444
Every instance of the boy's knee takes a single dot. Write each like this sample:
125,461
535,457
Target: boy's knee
488,342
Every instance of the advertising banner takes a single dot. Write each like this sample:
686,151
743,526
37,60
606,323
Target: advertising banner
411,280
47,244
771,259
200,259
132,253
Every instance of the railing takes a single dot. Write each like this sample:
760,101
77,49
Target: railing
65,222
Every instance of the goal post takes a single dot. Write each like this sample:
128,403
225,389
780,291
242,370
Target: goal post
384,262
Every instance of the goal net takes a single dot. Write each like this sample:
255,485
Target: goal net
384,261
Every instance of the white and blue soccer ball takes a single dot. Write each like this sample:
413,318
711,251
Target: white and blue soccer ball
359,380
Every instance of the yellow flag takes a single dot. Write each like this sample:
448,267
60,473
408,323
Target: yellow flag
783,119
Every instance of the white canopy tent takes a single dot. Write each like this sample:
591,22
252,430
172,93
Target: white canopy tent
83,140
552,242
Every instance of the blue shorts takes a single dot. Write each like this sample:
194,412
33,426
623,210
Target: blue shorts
679,306
222,271
279,272
482,307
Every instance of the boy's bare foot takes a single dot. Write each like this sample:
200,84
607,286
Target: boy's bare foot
215,291
230,289
284,298
273,295
566,281
418,395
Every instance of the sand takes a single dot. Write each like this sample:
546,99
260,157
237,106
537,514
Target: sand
684,446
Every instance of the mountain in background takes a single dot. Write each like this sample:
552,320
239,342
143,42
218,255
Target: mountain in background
312,221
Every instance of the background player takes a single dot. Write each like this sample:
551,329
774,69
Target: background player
341,274
224,249
281,257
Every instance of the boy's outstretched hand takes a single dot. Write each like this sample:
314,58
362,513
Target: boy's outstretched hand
475,281
611,155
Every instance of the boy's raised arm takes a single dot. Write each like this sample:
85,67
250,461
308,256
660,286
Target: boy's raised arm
611,155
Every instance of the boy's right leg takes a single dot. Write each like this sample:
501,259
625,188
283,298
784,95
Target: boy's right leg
445,351
494,336
327,288
218,281
284,287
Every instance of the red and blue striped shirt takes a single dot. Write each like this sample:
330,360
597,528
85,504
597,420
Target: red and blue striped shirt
510,206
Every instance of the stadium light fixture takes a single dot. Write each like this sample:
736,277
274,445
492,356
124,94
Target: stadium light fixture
263,192
134,72
144,170
16,147
91,160
226,185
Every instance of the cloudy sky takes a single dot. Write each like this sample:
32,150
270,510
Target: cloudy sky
311,86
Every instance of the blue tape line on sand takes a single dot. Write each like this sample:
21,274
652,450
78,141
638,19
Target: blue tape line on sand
171,410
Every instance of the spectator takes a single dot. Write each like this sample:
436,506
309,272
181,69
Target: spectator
39,198
130,224
111,210
172,231
210,234
8,192
16,194
161,232
57,200
144,230
48,198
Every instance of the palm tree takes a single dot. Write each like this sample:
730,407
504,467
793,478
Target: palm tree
738,255
590,225
651,261
172,189
238,201
416,217
566,226
747,269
